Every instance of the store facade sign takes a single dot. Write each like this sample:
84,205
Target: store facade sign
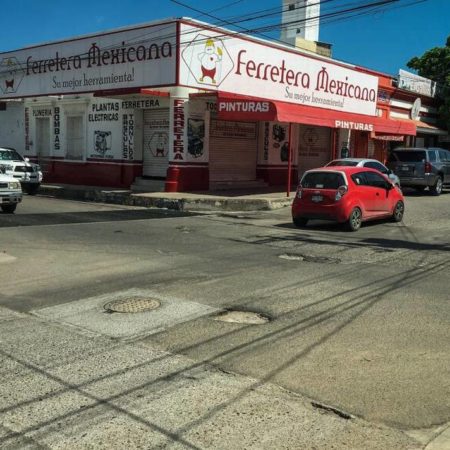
415,83
387,137
138,57
252,109
347,125
214,61
235,130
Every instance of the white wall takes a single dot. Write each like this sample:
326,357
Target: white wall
12,127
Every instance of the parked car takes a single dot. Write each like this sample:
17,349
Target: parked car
365,162
10,192
421,167
28,173
348,195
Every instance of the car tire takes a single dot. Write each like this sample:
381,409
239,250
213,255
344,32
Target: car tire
399,210
9,209
355,220
299,221
437,188
31,190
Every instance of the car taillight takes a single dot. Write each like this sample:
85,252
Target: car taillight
428,168
299,192
340,192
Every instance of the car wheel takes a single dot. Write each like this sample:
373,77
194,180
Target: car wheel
399,210
437,188
9,208
31,190
299,221
355,220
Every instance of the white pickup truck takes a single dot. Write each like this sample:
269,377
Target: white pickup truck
10,193
15,165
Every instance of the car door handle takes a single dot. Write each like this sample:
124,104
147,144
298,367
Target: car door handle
377,194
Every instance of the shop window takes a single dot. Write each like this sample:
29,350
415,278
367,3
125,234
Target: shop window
75,138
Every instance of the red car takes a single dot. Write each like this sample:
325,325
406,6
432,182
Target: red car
349,195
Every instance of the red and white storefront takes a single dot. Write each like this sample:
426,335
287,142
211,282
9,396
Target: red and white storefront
190,105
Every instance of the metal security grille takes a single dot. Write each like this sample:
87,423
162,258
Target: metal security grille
156,142
232,151
314,147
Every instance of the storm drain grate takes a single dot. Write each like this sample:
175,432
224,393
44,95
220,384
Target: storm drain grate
245,317
131,305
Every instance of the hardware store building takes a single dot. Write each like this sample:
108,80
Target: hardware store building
189,107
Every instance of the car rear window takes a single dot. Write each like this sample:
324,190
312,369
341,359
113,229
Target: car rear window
341,162
407,156
322,180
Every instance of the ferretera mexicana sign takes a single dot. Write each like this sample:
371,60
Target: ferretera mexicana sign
228,63
143,56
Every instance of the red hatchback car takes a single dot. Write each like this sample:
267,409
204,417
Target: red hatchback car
349,195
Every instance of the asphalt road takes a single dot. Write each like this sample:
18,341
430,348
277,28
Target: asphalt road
358,320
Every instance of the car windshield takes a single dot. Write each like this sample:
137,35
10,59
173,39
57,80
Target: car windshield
342,162
407,156
9,155
322,180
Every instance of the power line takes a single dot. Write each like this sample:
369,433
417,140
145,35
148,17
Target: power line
354,9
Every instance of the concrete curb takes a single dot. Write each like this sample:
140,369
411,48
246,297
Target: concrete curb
182,202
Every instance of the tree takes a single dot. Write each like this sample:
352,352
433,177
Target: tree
435,65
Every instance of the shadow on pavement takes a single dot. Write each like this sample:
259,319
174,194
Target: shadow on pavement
24,220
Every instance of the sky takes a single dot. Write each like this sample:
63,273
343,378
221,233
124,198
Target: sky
384,41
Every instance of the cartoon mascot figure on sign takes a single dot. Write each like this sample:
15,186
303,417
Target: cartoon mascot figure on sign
209,59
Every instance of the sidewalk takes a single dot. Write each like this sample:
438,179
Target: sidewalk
227,200
69,389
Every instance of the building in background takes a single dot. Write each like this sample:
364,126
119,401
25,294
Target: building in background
300,25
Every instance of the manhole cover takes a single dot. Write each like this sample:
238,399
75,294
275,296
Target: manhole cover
246,317
131,305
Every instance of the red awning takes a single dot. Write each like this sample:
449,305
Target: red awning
243,108
394,127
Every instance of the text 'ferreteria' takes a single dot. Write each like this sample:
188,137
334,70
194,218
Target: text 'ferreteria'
96,57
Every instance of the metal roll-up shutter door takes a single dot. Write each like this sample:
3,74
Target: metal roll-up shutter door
156,142
232,151
314,147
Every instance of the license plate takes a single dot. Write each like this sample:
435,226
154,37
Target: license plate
405,168
316,198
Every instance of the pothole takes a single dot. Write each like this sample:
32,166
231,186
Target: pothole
309,258
131,305
245,317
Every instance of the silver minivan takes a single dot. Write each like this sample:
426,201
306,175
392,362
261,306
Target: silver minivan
421,167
